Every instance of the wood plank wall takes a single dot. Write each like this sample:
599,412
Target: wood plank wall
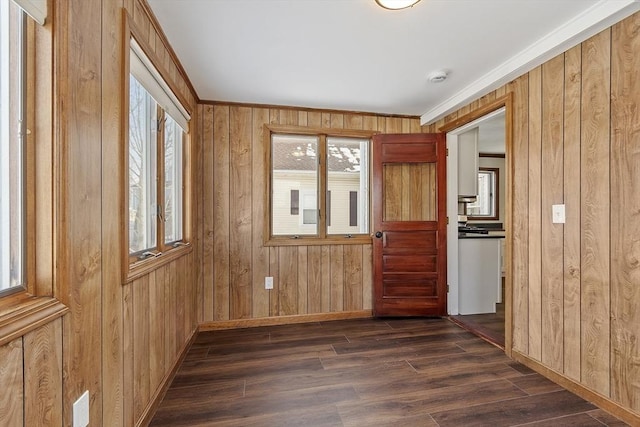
120,341
576,293
307,279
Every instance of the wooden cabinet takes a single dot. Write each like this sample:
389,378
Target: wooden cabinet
468,163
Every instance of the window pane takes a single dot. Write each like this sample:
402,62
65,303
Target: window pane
348,182
172,180
142,169
483,206
295,167
12,147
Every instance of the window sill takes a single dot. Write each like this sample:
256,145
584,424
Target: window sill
146,266
314,241
22,313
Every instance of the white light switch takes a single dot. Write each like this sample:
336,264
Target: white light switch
558,214
268,282
81,411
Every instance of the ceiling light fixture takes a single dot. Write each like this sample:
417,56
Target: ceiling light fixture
396,4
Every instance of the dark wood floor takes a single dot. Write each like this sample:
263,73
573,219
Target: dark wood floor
370,372
489,326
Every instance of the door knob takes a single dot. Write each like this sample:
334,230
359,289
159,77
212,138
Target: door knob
378,234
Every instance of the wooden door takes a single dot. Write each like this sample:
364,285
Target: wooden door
409,225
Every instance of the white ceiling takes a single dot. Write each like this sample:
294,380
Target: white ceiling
354,55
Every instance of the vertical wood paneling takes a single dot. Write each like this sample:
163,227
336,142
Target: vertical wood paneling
128,354
240,238
625,199
79,235
337,278
303,278
326,264
353,277
112,195
520,229
274,300
595,221
157,331
367,277
221,213
208,212
535,212
288,280
314,279
260,254
12,379
42,376
141,344
552,194
572,231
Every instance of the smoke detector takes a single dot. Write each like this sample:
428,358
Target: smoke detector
438,76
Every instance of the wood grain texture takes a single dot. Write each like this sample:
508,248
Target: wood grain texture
535,213
240,178
625,205
112,196
141,345
552,194
406,372
322,279
337,278
79,232
595,223
572,229
43,376
221,213
260,254
208,212
302,279
520,203
12,379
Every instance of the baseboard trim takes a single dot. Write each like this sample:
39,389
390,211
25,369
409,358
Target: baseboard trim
284,320
603,402
150,410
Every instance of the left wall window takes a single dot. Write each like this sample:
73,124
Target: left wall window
158,125
13,93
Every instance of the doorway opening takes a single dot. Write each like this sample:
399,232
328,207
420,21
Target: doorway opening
478,236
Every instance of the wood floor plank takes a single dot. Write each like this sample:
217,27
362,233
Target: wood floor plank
423,403
535,384
391,372
515,411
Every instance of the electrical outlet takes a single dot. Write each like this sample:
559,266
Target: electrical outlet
268,282
81,411
558,214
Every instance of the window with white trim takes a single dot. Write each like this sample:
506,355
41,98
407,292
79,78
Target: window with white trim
158,124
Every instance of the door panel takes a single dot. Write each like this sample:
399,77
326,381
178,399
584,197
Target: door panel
409,218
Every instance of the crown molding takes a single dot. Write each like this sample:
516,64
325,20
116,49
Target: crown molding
595,19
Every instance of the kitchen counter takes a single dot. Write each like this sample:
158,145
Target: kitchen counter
491,235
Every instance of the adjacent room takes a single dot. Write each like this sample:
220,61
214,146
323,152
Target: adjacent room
319,212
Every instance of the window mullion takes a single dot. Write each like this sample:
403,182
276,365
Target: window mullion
160,211
322,186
